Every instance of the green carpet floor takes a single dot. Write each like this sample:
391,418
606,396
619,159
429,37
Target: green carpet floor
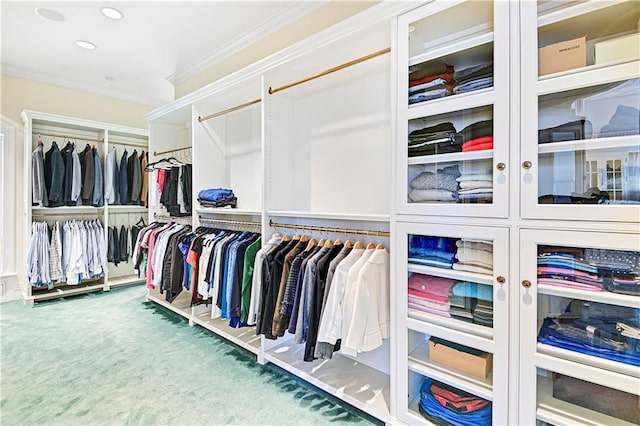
112,358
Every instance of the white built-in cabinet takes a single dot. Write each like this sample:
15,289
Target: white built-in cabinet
332,152
104,137
548,183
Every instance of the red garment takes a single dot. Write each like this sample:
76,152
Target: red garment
478,144
160,178
447,77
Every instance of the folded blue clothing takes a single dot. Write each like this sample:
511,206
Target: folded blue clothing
479,291
436,243
434,408
436,263
471,85
424,253
215,194
552,337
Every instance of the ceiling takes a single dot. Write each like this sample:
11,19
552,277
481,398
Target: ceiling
140,57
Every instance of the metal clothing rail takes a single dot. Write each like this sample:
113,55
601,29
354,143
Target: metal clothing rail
125,144
171,150
178,219
67,137
330,70
325,229
231,223
228,110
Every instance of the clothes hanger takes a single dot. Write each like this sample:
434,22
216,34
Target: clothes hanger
312,243
380,247
371,246
304,238
358,245
337,242
276,235
286,237
328,243
348,244
321,242
40,139
296,237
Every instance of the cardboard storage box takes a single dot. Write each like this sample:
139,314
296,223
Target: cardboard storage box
612,402
478,364
617,49
562,56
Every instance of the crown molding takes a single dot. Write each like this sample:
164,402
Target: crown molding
263,30
384,11
85,87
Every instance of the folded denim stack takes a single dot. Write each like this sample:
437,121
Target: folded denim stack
473,78
442,404
217,197
438,252
431,81
602,331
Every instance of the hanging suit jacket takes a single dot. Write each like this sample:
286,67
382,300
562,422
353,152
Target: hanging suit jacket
67,156
111,178
86,159
124,253
144,187
54,176
123,185
38,187
135,177
98,199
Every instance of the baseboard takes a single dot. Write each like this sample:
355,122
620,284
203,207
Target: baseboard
9,287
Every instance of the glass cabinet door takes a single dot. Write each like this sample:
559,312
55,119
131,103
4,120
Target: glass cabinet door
452,307
580,110
453,124
580,327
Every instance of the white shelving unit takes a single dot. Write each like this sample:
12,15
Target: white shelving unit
103,136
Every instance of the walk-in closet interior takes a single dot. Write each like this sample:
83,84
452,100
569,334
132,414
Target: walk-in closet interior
429,210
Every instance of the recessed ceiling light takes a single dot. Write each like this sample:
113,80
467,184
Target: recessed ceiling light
111,13
50,14
85,44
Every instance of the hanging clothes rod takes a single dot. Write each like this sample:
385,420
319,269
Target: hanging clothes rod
171,150
226,111
330,70
68,137
178,219
336,230
125,144
230,222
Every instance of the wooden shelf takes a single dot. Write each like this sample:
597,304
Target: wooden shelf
124,281
457,102
180,305
420,363
451,273
245,337
334,216
468,334
359,385
631,142
64,291
486,154
594,296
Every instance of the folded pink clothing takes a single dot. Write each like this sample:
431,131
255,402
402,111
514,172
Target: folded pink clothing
429,303
431,311
569,284
428,296
435,285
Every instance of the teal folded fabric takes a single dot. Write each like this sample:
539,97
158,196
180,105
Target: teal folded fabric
479,291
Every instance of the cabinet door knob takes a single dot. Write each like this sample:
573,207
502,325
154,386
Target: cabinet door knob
501,279
527,164
526,283
501,166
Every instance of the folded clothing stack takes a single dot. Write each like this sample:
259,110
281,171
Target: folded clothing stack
217,197
439,186
442,404
474,256
472,302
438,252
438,139
429,294
473,78
562,267
430,82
